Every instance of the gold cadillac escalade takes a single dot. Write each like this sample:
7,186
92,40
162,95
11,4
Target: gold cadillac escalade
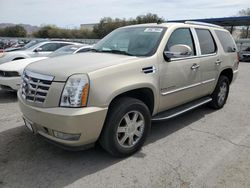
134,76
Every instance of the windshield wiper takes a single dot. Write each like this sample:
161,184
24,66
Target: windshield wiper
117,52
111,51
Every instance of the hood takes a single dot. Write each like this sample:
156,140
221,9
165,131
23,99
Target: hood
19,65
13,49
65,66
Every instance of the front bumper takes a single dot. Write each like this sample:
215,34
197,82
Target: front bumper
87,122
13,83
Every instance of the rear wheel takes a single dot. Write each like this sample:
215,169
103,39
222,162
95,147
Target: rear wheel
126,127
220,94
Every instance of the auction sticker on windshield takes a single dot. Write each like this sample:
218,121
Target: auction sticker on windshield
153,30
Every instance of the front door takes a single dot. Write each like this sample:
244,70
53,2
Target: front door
180,78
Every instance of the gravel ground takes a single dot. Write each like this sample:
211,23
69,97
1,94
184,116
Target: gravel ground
202,148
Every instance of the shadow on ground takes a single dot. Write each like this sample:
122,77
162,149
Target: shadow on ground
7,96
29,161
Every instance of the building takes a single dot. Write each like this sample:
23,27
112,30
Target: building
89,26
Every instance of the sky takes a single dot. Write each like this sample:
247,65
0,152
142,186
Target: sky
72,13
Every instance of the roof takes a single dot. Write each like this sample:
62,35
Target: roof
176,23
227,21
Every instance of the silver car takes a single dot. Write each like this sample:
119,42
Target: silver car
42,49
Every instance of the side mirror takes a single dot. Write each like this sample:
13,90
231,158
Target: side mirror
177,51
38,49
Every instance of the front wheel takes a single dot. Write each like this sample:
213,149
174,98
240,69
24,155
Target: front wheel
220,94
126,127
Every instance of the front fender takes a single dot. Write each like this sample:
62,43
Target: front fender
107,84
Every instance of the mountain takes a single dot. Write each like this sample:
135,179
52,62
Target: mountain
29,28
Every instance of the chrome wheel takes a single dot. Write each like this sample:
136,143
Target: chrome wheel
222,93
130,129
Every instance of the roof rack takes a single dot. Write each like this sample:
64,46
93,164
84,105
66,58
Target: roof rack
203,23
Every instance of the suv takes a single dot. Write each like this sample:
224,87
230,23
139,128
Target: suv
41,49
135,75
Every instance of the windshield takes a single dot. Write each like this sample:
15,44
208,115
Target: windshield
135,41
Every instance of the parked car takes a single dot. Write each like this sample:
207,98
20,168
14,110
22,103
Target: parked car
10,72
26,46
135,75
71,49
42,49
245,55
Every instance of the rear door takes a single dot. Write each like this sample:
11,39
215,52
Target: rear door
229,49
210,59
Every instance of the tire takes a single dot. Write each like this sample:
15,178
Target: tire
220,94
118,137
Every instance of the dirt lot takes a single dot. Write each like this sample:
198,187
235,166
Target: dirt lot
203,148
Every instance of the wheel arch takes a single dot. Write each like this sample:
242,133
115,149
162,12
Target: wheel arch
18,58
228,72
145,94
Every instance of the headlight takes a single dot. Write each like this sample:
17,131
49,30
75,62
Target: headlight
75,92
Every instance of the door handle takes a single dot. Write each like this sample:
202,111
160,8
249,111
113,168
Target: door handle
195,66
218,62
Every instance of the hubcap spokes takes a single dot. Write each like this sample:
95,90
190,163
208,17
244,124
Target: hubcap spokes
130,129
222,93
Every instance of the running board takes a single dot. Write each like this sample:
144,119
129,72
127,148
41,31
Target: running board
181,109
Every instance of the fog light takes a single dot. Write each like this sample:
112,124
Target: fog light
66,136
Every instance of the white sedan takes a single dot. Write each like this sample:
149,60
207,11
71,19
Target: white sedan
10,72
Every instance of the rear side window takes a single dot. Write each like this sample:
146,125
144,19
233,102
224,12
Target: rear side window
63,44
226,41
206,41
181,36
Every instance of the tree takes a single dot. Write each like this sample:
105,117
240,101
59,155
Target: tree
55,32
245,33
149,18
44,32
107,24
104,27
13,31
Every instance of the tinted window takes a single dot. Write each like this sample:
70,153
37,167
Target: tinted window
50,47
181,36
226,41
206,41
63,44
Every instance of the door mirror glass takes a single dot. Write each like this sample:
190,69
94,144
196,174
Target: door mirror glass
177,51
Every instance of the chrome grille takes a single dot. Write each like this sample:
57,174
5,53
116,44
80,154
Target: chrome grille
35,86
